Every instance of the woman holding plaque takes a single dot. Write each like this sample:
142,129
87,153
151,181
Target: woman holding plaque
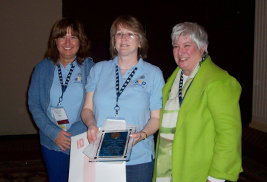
56,94
200,132
137,97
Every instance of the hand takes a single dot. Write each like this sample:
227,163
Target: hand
63,140
137,137
92,132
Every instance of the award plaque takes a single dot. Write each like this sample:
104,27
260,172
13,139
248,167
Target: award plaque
112,144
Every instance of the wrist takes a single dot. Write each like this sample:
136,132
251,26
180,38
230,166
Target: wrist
145,134
91,124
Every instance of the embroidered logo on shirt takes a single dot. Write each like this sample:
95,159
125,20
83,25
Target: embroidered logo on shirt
141,81
78,79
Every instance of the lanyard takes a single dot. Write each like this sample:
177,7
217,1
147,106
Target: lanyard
182,78
64,86
119,92
181,87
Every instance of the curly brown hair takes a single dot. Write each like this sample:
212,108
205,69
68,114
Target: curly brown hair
59,29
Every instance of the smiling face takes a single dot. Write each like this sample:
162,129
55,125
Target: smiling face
126,42
186,54
68,46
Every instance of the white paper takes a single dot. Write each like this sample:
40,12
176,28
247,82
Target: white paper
78,144
111,171
81,170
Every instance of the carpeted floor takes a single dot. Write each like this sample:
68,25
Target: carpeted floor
23,171
254,155
21,161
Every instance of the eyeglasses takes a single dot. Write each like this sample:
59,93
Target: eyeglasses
127,35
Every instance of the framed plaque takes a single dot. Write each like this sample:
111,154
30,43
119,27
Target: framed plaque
112,144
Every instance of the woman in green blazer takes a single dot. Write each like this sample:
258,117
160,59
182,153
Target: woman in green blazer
200,132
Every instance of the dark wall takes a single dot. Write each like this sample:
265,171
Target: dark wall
229,23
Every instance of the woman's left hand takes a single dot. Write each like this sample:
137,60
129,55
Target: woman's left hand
63,140
150,128
138,137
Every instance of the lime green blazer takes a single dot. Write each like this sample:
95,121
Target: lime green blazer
207,140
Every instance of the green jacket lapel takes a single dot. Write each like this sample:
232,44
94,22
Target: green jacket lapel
201,81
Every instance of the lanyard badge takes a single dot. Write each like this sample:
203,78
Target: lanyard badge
64,86
60,116
119,92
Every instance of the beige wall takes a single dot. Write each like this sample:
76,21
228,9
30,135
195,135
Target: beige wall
24,31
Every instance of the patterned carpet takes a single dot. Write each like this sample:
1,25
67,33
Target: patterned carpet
21,161
254,149
253,171
23,171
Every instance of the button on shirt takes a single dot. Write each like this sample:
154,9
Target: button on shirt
142,95
72,97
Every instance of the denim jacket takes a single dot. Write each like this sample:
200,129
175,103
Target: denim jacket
39,99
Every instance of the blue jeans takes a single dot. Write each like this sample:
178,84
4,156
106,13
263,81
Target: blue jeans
57,165
140,172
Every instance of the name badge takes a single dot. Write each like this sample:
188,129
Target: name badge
60,116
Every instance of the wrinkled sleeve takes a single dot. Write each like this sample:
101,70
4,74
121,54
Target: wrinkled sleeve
93,77
223,103
45,125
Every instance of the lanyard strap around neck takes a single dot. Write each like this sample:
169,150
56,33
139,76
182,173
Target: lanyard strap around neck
64,86
119,92
181,98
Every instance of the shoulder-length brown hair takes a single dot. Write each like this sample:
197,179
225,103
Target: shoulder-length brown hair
59,29
134,25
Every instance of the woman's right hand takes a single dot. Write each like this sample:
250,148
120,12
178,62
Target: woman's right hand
88,117
92,132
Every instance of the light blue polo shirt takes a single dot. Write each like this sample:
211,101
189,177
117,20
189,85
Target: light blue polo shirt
72,97
142,95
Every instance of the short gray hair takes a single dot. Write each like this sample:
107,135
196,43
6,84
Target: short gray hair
196,33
